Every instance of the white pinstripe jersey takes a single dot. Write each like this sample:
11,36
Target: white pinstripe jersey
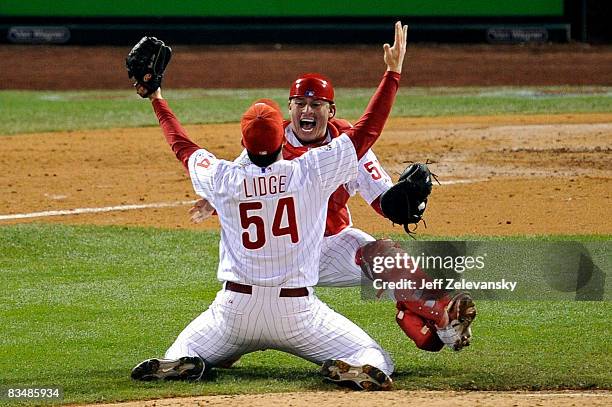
372,179
273,219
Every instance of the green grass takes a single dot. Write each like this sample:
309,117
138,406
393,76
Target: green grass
81,305
32,111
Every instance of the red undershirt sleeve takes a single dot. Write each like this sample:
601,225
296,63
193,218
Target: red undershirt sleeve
376,206
175,134
367,130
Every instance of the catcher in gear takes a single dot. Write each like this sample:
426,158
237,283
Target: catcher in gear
146,63
432,318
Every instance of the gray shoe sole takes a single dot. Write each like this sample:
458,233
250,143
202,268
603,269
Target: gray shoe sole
185,368
364,377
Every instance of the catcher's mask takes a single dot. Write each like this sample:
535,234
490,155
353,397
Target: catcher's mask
312,85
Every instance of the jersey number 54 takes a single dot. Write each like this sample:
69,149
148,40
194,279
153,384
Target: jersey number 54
285,209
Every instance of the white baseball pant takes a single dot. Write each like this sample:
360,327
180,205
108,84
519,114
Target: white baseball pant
337,267
236,324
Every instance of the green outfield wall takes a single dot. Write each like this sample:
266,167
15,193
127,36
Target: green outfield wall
281,8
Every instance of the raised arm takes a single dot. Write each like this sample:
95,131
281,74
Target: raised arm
368,128
175,134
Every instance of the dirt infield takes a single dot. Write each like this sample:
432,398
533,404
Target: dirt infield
500,175
390,399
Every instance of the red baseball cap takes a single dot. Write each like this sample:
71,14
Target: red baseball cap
312,85
271,103
262,128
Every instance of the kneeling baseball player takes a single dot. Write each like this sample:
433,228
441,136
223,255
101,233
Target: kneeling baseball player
272,215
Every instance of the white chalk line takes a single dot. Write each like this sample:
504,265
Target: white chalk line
463,181
78,211
545,394
116,208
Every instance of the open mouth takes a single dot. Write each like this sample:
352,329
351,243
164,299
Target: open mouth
307,124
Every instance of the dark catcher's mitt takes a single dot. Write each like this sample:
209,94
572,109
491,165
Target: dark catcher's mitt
405,202
147,62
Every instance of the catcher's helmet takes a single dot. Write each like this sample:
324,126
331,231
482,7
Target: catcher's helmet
312,85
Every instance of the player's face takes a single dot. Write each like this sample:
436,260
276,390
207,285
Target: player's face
309,118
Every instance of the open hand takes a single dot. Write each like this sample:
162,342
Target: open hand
201,211
394,55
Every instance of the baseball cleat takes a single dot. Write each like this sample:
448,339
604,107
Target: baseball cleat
185,368
461,314
366,377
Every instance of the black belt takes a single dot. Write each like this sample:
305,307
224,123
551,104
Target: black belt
248,289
